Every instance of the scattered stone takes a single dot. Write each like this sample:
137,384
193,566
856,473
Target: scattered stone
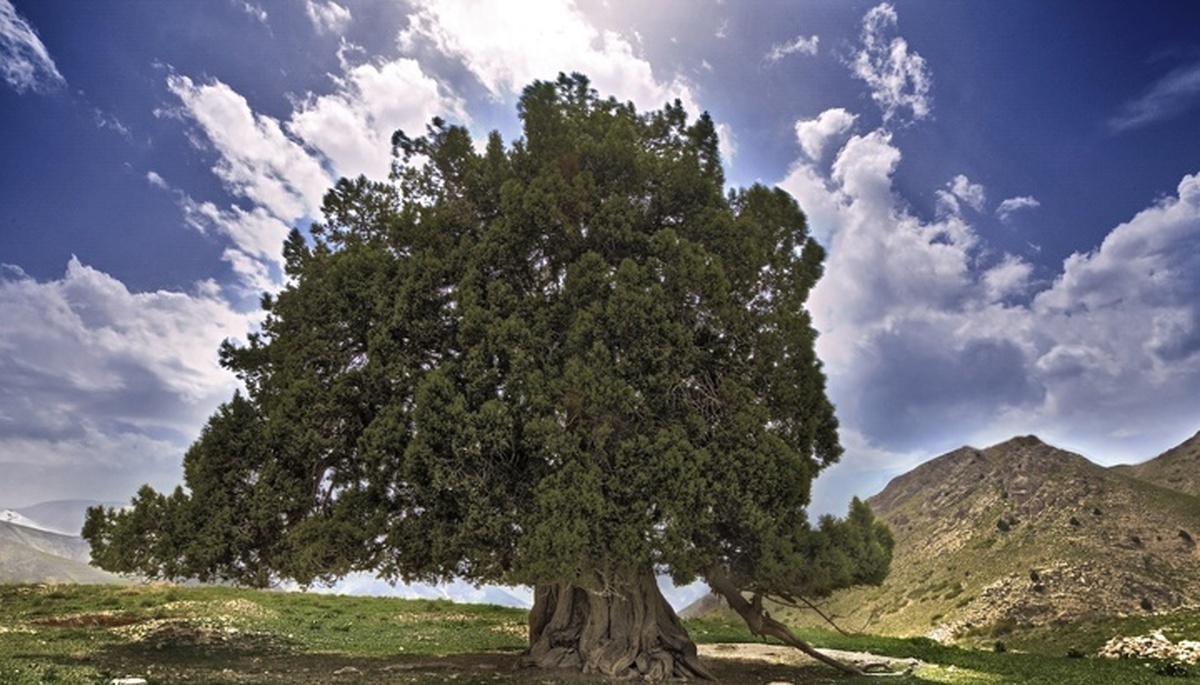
1152,646
348,670
127,681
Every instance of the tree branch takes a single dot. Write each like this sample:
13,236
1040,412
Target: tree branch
761,623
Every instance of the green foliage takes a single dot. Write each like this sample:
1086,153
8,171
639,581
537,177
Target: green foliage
548,362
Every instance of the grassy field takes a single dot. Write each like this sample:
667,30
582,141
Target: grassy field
206,635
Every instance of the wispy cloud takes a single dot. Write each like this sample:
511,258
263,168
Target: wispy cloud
1170,96
1014,204
24,60
899,79
803,45
252,9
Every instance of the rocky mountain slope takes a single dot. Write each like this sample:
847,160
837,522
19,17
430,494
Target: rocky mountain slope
1177,468
1024,534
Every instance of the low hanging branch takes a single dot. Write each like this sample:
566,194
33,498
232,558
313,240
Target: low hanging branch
761,623
809,604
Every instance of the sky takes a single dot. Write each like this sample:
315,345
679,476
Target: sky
1009,194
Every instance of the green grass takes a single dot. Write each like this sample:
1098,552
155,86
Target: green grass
79,635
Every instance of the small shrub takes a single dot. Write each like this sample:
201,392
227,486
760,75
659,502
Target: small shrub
1003,627
1147,605
1035,576
1003,526
1172,669
1096,511
1076,522
1186,537
999,647
1075,653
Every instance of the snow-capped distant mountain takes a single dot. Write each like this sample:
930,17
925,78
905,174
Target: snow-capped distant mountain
18,519
62,516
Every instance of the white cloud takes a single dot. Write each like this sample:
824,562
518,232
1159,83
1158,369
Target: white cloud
24,60
252,9
899,79
962,190
283,169
801,45
1015,204
813,134
1011,277
107,381
508,45
154,179
1170,96
929,340
257,160
327,16
257,237
352,127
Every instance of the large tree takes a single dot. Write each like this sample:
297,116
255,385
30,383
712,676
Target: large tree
573,363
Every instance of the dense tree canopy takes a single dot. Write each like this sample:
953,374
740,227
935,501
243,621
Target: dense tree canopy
564,363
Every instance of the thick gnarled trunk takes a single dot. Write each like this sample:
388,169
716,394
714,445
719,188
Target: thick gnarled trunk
625,632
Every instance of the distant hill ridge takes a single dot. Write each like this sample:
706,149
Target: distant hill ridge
1025,534
1178,468
34,555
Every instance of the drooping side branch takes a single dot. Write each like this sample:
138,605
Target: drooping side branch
809,604
761,623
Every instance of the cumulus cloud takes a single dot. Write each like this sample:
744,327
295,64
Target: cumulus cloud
962,190
813,134
1014,204
282,169
327,16
899,79
24,60
1170,96
800,45
103,381
930,338
352,126
508,45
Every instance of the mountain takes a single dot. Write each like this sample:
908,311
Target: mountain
1023,534
33,555
60,516
1177,468
17,518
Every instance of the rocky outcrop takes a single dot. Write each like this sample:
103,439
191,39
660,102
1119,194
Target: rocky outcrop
1152,646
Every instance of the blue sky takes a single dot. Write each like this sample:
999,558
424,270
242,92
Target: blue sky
1010,195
